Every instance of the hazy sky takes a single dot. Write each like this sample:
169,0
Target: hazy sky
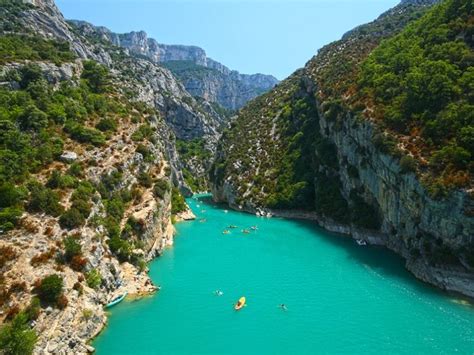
267,36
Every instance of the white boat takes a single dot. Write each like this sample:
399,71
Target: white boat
361,242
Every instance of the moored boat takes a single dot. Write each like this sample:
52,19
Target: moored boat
116,300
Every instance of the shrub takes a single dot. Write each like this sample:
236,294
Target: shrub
34,309
43,257
10,195
71,219
106,124
144,151
144,179
120,247
115,208
78,263
16,337
83,134
94,279
7,254
43,199
72,248
83,206
161,187
87,314
9,218
407,164
75,169
96,76
178,204
50,289
62,302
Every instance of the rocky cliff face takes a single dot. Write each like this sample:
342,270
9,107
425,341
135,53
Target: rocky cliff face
201,76
299,151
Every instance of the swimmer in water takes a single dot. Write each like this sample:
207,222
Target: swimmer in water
283,307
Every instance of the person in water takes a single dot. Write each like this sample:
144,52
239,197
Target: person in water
283,307
218,293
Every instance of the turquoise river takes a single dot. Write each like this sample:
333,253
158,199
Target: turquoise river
340,297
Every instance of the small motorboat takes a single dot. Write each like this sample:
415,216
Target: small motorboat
116,300
226,231
361,242
232,226
240,304
254,228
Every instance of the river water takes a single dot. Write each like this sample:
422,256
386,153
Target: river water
340,297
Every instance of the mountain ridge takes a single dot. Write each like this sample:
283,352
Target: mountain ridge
227,87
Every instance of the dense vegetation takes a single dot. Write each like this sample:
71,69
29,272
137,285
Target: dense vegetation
192,153
35,121
420,84
15,47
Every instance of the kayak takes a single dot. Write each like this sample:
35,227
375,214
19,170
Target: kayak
239,305
116,300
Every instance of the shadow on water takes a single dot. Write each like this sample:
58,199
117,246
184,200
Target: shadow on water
380,259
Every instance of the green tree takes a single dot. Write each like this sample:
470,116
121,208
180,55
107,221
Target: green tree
96,75
16,337
50,289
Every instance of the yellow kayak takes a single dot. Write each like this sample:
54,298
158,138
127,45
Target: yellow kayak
240,304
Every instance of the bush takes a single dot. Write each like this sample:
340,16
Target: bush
96,76
83,206
161,188
94,279
10,195
34,309
43,199
144,179
71,219
83,134
178,204
9,218
120,247
16,338
72,248
75,169
115,208
50,289
106,124
407,164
